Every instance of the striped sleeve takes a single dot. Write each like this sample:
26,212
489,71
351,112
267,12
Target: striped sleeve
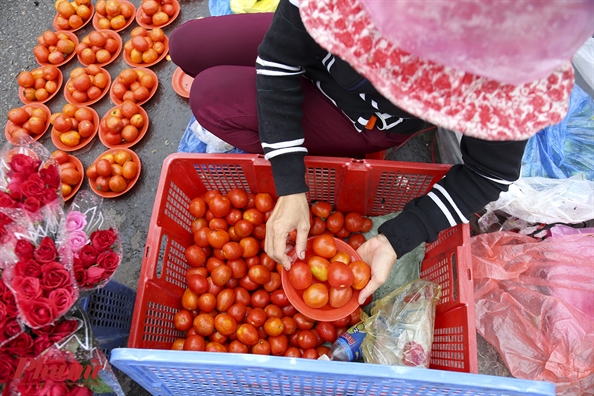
489,168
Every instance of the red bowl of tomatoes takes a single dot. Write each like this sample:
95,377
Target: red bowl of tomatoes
325,285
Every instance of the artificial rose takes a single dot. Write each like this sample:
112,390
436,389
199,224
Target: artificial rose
63,298
109,260
7,367
80,390
54,276
10,302
21,163
33,187
26,287
49,195
103,239
33,386
32,204
80,274
14,187
3,313
64,329
24,249
4,221
12,327
39,312
41,343
95,275
88,256
77,240
3,288
45,330
46,251
50,176
6,201
75,221
21,345
58,389
28,268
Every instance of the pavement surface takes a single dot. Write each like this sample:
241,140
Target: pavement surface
22,21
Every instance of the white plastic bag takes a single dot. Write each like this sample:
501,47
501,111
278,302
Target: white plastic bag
583,60
543,200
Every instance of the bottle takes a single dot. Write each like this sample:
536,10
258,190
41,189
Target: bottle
347,347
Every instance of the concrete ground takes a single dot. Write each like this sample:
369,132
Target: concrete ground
21,21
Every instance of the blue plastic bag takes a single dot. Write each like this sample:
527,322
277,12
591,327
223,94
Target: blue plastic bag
190,143
563,150
219,7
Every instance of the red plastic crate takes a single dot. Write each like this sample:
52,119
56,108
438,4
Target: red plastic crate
370,187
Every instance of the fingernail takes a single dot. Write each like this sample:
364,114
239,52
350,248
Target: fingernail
302,255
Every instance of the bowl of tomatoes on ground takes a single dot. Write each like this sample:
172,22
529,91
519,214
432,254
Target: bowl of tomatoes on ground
40,84
72,15
100,47
71,173
115,15
157,13
114,172
74,127
146,47
31,120
123,126
325,285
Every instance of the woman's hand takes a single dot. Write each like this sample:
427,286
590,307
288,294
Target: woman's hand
291,212
380,255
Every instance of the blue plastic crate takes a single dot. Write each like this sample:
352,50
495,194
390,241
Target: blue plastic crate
208,373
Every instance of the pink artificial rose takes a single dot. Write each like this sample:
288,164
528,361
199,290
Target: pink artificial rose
64,329
80,390
28,268
95,275
41,343
33,187
88,256
7,367
21,163
6,201
77,240
46,251
24,249
21,345
51,176
26,287
109,260
103,239
54,276
39,312
75,221
32,204
63,298
12,327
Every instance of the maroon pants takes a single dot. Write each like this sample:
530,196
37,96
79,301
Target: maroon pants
220,53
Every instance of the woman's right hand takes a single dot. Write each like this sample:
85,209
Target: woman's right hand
291,212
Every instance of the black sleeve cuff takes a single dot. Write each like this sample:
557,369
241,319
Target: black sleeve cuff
289,174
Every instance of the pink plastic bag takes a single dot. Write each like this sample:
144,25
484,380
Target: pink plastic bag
534,302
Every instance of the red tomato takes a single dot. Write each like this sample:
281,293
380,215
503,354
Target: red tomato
319,267
237,311
335,222
357,240
367,224
213,288
183,320
318,226
290,325
259,274
225,324
289,310
195,256
305,323
273,311
292,352
257,317
310,354
259,231
203,324
316,296
247,334
248,284
198,284
243,228
217,238
361,274
219,206
201,237
213,262
233,216
232,250
279,298
215,347
262,347
274,326
278,344
340,275
216,223
307,339
260,298
197,207
221,274
242,295
250,245
267,262
324,246
225,300
300,275
194,343
341,322
210,194
254,216
274,283
326,331
353,221
237,346
322,350
207,302
238,197
238,267
339,297
264,202
321,209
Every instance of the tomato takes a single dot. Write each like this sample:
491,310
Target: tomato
233,216
264,202
324,246
196,271
194,343
238,267
237,311
319,267
342,257
195,256
232,283
242,295
251,261
355,317
316,296
356,240
294,339
279,298
215,347
204,324
225,324
335,222
216,223
257,317
262,332
250,245
273,311
292,352
210,194
237,346
343,233
178,345
307,339
189,300
300,275
259,231
303,322
221,274
262,347
260,298
340,275
266,261
247,334
248,284
218,254
225,299
310,354
238,198
290,325
219,205
254,216
278,344
323,350
339,297
259,274
361,274
326,331
197,283
183,320
318,226
243,228
289,310
341,322
103,167
207,302
217,238
217,336
274,326
353,221
321,209
232,250
274,283
367,224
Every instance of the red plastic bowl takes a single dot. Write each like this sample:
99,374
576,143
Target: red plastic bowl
74,39
54,24
83,141
326,313
48,113
159,59
81,169
59,83
131,183
177,8
114,56
117,101
69,99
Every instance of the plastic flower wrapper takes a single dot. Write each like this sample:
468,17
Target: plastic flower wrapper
94,240
38,268
10,327
75,365
29,181
400,328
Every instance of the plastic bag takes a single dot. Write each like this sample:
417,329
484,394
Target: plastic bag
583,60
219,7
198,140
533,303
565,149
542,200
400,328
253,6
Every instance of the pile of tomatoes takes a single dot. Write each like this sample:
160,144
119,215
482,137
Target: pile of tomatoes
73,124
113,14
98,47
234,301
69,174
53,47
145,46
39,83
156,13
87,84
72,14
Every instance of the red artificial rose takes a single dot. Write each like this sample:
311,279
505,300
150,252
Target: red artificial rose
45,330
54,276
41,343
39,312
46,251
58,389
10,302
88,256
64,329
49,195
3,314
12,327
32,204
108,260
6,201
50,176
14,188
80,274
80,390
21,163
33,187
2,289
103,239
26,287
95,275
63,298
24,249
21,345
33,386
7,367
28,268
